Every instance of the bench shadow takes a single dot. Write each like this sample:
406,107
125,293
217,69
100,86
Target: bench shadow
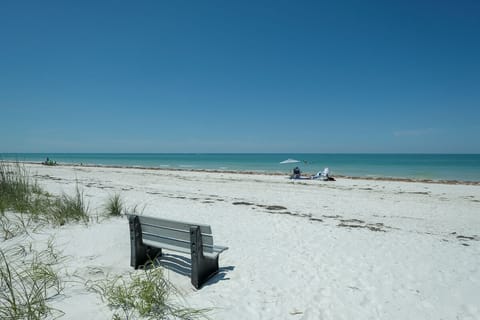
183,265
221,275
176,263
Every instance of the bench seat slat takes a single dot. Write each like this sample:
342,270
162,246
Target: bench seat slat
159,241
165,245
183,235
175,235
204,229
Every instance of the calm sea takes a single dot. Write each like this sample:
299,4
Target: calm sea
465,167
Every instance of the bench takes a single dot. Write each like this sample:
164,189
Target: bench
148,236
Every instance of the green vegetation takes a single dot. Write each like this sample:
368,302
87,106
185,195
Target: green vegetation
115,206
19,194
146,295
12,225
68,208
27,282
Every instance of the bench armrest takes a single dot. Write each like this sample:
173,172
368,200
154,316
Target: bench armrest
219,249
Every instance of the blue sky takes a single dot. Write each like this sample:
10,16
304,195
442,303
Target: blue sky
240,76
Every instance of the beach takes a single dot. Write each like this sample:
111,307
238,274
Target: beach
298,249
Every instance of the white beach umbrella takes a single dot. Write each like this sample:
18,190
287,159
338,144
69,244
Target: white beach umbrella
290,161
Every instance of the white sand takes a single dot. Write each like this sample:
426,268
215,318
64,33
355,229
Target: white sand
349,249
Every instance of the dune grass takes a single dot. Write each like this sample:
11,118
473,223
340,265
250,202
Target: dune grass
15,224
20,193
28,282
17,191
144,295
115,206
68,208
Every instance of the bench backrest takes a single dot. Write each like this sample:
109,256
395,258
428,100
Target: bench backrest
173,235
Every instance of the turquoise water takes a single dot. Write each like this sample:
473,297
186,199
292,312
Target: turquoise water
464,167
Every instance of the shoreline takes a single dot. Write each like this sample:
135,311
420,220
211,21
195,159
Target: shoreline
392,179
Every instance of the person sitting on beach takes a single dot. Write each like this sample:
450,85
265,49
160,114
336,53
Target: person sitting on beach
296,173
49,162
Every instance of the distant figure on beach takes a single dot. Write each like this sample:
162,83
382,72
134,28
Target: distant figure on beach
296,173
49,162
323,175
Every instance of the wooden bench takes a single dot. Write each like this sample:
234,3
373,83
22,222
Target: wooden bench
148,236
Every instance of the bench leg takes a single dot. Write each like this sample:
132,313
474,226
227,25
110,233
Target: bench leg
140,253
203,267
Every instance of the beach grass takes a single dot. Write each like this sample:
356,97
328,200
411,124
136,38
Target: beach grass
28,282
115,206
145,295
69,208
15,224
17,190
20,193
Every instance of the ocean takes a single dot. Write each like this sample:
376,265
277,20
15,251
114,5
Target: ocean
462,167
